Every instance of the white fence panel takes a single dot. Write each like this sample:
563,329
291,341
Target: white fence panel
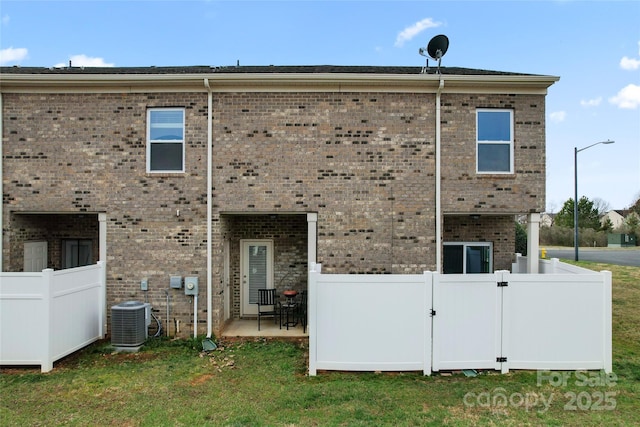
467,321
48,315
22,304
369,322
76,309
548,266
558,321
564,268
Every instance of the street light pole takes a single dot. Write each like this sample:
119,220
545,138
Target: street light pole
575,187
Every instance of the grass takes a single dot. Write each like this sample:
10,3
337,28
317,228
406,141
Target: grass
264,383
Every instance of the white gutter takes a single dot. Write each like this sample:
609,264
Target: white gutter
209,207
271,82
438,177
1,188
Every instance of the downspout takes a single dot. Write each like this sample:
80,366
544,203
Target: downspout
209,207
438,177
1,190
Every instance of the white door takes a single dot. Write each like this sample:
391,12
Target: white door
35,256
256,272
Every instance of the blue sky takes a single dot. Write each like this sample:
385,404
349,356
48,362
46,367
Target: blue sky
593,46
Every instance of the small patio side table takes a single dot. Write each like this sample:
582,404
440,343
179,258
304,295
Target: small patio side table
290,309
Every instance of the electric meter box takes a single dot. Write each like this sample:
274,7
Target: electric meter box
191,286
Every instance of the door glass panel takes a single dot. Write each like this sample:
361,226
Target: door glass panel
453,259
257,274
77,253
477,259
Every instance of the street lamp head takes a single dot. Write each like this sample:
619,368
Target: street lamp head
589,146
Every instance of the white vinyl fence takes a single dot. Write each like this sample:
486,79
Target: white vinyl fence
438,322
369,322
48,315
548,266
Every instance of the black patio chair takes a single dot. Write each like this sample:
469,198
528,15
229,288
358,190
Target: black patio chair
269,305
302,310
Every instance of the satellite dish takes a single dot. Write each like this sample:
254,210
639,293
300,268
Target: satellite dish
438,46
436,49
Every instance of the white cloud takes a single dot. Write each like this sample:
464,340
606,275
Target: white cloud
629,63
85,61
591,102
5,19
558,116
13,55
415,29
628,97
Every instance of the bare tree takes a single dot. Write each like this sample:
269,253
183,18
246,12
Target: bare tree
601,206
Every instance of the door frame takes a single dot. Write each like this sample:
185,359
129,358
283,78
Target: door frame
247,309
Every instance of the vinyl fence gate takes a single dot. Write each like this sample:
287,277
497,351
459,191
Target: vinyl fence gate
432,322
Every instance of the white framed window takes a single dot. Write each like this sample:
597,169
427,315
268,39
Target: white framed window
467,257
494,141
165,140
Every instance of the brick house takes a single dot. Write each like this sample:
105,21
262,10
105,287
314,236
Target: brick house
245,175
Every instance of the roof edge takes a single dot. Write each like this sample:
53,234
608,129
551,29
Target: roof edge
247,81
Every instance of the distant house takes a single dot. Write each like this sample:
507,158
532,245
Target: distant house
546,219
617,217
243,176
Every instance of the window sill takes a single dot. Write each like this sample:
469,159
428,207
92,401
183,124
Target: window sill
166,174
496,175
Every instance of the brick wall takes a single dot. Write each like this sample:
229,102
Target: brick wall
365,162
464,191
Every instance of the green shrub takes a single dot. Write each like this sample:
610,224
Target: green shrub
563,236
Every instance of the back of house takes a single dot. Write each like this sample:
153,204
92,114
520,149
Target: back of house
239,178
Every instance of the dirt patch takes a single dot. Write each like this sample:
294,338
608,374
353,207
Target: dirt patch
19,370
201,379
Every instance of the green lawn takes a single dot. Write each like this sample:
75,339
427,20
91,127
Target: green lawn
265,383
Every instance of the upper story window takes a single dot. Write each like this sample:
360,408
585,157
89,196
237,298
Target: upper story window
165,140
494,141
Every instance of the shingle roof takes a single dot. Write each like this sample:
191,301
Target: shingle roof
258,69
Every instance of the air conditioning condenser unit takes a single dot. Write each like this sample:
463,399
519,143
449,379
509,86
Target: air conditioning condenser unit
129,323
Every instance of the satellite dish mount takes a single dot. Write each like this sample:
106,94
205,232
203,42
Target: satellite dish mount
436,49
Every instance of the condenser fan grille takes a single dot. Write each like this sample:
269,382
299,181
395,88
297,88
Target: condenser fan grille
129,324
